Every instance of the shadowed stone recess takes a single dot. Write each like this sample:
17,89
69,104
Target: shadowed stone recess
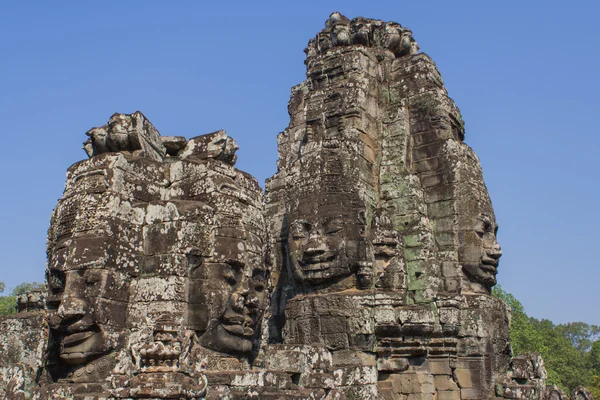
363,272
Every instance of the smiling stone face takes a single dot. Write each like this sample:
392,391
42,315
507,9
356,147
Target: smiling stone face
227,298
325,241
227,287
480,251
78,319
87,303
234,330
95,244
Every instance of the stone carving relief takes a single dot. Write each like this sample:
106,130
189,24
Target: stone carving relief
478,251
88,274
326,238
364,271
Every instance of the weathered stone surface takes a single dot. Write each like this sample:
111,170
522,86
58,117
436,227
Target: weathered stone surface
173,144
156,267
126,132
366,273
23,343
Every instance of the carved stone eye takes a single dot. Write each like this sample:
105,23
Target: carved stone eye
230,278
483,226
92,280
333,226
299,229
233,271
487,225
56,281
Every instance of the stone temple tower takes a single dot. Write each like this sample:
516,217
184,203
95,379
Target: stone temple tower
364,272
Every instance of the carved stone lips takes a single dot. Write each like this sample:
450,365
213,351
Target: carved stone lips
77,347
489,265
77,338
317,258
239,329
238,325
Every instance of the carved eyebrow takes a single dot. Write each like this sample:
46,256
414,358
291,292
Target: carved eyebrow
300,224
235,263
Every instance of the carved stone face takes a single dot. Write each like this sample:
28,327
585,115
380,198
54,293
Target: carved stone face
325,242
480,250
86,305
227,298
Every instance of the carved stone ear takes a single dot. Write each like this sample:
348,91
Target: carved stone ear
88,148
364,274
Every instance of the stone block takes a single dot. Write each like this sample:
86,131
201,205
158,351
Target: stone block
452,395
335,341
392,364
440,366
445,383
350,376
353,358
472,394
317,380
463,377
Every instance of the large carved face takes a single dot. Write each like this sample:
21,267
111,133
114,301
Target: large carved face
325,241
227,297
480,252
86,301
90,250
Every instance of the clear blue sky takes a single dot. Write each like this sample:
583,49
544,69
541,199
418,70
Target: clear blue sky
524,74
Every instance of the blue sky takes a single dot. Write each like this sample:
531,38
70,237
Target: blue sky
524,74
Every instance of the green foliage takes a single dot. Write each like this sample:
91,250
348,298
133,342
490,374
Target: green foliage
571,352
26,287
8,304
582,335
568,364
524,337
595,356
595,387
595,366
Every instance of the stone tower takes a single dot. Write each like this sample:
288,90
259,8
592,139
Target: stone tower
363,273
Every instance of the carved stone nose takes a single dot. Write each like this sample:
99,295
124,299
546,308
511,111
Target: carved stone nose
72,307
252,302
238,300
496,252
